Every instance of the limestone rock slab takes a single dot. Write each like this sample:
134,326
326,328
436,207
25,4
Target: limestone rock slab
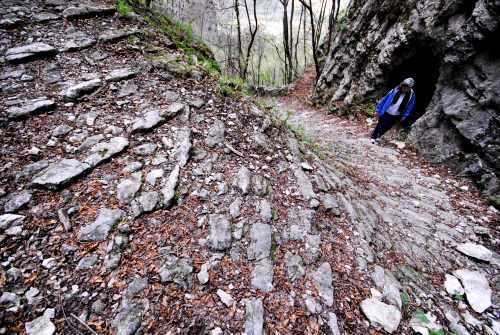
220,231
60,173
103,151
182,146
151,119
294,266
168,190
26,52
324,282
87,10
260,242
41,325
381,315
452,285
304,183
120,74
16,201
116,35
76,91
254,324
10,220
31,107
476,251
477,289
177,270
262,275
99,229
127,189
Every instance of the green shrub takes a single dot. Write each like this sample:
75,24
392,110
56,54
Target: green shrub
494,199
123,8
419,314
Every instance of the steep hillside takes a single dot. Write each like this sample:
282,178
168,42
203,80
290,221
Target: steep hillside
450,48
140,194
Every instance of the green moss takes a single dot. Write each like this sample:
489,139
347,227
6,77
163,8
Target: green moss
180,33
121,7
103,153
274,245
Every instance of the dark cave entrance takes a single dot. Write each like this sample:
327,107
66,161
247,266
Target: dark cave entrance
422,65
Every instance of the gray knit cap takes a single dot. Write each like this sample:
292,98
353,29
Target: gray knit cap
408,82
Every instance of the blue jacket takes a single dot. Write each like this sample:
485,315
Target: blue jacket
387,101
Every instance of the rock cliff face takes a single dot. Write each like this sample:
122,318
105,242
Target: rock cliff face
450,48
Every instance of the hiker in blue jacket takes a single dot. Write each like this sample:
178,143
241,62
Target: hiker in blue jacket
394,107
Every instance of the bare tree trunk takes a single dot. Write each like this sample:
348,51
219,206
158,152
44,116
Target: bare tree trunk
297,40
332,20
238,25
315,29
304,36
287,46
253,33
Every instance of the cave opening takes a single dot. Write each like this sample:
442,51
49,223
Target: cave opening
422,65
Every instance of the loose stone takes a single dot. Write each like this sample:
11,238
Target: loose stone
99,229
262,275
313,248
220,231
215,134
128,321
477,289
148,201
177,270
294,266
168,191
242,181
476,251
41,325
78,90
323,280
226,298
10,220
183,146
333,323
452,285
127,189
254,324
27,52
60,173
86,263
120,74
260,242
381,315
17,201
312,305
153,176
31,107
234,208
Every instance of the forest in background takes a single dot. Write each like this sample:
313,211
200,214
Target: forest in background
261,43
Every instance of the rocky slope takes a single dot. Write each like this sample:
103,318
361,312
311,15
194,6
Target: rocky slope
450,48
137,199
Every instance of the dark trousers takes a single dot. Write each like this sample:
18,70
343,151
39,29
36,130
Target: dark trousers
385,122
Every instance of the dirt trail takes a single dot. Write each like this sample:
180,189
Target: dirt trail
410,216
